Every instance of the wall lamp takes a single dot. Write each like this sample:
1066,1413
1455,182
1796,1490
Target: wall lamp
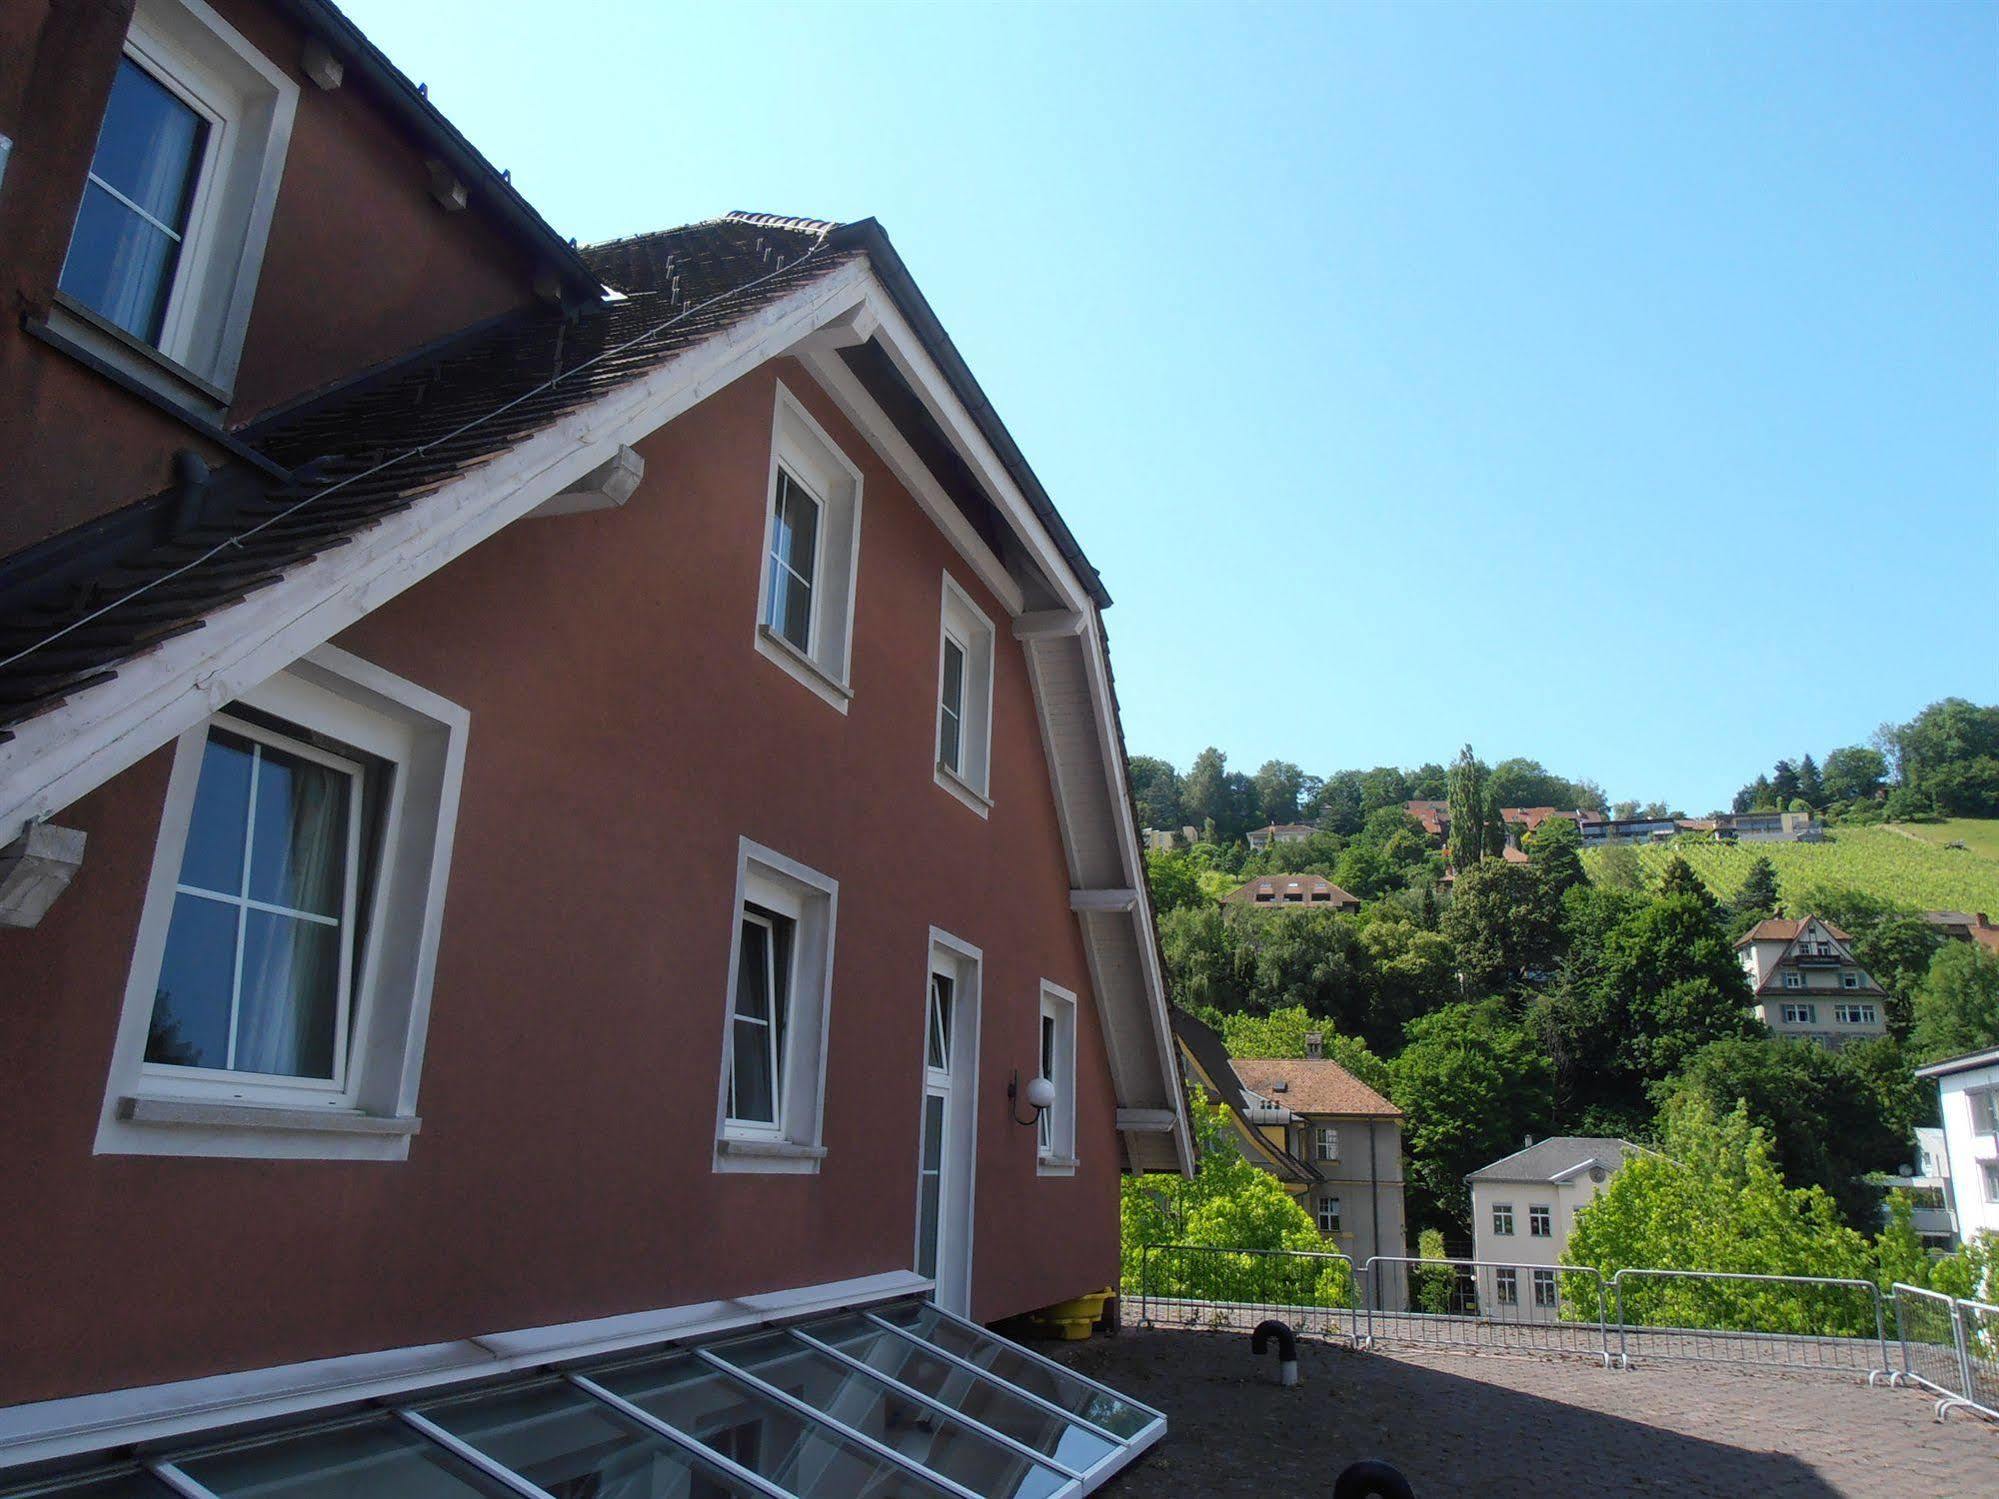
1040,1097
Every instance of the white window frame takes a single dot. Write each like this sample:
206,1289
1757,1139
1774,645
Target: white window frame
1502,1219
793,1143
960,620
1055,1133
250,103
1800,1014
803,450
1339,1220
1793,980
1326,1142
370,1114
1506,1287
1855,1014
1849,981
1543,1215
1989,1172
1984,1106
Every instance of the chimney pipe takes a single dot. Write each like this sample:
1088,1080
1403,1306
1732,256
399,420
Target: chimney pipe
1315,1043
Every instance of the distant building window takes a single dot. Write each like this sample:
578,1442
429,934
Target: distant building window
1849,981
1502,1219
1990,1170
1544,1288
1327,1142
1293,895
1801,1014
1984,1110
1329,1216
1854,1014
1507,1284
1540,1221
1794,981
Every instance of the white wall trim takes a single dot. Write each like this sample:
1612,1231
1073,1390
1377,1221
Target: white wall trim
79,1424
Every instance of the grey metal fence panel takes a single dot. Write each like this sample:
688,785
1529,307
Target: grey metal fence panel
1802,1323
1978,1334
1198,1285
1927,1340
1496,1305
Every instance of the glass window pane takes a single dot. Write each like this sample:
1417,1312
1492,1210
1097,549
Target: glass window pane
794,611
801,529
298,841
190,1025
571,1443
984,1400
753,973
747,1426
380,1457
149,145
288,1014
959,1452
213,858
990,1353
751,1096
939,1055
131,1484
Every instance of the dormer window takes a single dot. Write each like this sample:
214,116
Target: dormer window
169,235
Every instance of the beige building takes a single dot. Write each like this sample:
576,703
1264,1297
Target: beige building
1808,984
1350,1137
1524,1208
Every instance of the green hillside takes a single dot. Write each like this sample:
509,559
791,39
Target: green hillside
1906,863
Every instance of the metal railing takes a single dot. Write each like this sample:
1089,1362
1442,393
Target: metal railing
1196,1285
1497,1305
1797,1322
1950,1347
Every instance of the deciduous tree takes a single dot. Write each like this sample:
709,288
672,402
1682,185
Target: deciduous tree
1957,1003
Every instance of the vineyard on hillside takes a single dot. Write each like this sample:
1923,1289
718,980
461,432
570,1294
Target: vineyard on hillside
1880,861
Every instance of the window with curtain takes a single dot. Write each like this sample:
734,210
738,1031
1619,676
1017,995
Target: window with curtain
258,967
132,224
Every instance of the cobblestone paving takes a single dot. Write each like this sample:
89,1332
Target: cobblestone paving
1466,1423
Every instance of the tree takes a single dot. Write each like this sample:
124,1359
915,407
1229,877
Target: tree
1827,1124
1713,1198
1278,786
1784,783
1476,831
1155,787
1429,782
1282,1033
1555,850
1758,895
1338,809
1471,1081
1384,786
1940,748
1957,1003
1671,965
1503,922
1811,788
1757,796
1204,792
1854,773
1678,878
1173,878
1896,952
1619,868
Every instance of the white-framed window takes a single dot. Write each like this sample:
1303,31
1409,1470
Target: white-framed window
1854,1014
1794,980
1329,1216
1502,1219
1540,1221
964,698
1801,1014
1849,981
811,554
1056,1143
280,985
769,1114
1984,1110
1544,1288
169,235
1506,1286
1326,1142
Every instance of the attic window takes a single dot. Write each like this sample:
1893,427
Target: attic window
169,234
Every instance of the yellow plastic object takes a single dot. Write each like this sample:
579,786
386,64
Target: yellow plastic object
1072,1320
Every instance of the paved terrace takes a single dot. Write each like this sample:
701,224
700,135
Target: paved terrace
1483,1424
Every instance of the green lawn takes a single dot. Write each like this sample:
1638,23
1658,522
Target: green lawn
1882,861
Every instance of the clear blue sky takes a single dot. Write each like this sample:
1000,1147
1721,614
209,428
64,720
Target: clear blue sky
1615,385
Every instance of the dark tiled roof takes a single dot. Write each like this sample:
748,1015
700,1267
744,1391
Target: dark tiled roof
376,446
1784,929
1545,1160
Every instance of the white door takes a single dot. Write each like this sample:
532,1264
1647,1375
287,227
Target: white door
943,1170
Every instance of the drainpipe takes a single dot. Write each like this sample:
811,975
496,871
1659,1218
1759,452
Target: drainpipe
1373,1197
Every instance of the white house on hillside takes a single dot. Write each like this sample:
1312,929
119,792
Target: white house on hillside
1808,984
1524,1207
1968,1096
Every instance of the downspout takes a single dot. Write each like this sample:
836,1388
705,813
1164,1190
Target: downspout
1373,1194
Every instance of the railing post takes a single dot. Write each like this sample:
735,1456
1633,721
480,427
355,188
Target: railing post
1602,1315
1963,1347
1881,1331
1145,1285
1623,1345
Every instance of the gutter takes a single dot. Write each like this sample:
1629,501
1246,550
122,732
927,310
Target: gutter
869,236
411,109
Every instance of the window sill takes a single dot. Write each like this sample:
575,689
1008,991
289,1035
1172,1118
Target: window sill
748,1153
1055,1165
963,789
153,1125
796,663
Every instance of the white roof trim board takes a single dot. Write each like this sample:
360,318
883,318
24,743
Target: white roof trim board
67,752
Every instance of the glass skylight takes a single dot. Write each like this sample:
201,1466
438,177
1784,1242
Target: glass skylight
906,1403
